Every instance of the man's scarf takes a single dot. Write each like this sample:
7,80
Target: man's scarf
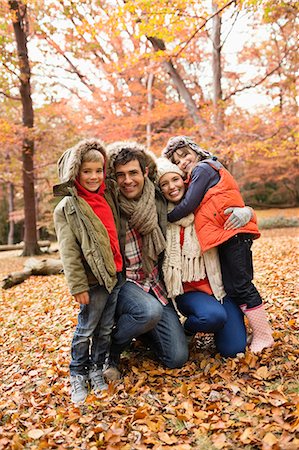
142,216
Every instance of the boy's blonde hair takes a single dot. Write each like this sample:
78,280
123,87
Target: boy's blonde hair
93,155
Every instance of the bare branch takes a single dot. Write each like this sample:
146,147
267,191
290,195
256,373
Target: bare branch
253,85
62,53
11,97
203,25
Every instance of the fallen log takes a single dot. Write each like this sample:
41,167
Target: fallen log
20,246
33,266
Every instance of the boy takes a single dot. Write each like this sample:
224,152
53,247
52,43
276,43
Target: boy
91,258
211,191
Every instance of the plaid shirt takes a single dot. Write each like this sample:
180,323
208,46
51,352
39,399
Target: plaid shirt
134,271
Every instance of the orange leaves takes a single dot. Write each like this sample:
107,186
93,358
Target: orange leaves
245,402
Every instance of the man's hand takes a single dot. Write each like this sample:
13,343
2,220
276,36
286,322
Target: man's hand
82,298
238,218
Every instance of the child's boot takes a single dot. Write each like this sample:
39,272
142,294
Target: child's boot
262,332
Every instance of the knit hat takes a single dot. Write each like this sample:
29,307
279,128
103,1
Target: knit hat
177,142
70,161
164,166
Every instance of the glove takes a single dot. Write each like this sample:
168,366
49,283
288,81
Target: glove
238,218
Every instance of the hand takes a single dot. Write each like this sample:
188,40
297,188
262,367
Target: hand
82,298
238,218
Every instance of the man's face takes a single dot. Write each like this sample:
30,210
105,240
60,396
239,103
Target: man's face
130,179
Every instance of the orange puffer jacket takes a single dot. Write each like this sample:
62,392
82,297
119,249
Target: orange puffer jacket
210,217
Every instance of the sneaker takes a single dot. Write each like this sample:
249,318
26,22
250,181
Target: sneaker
79,388
97,382
111,373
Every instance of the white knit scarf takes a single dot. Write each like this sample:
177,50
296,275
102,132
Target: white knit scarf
182,263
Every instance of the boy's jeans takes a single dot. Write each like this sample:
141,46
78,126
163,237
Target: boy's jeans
140,313
91,339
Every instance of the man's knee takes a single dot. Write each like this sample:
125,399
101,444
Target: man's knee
177,360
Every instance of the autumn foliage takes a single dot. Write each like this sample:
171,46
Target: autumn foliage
249,402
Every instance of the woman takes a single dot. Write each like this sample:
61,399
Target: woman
194,279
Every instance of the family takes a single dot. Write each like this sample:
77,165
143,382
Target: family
137,233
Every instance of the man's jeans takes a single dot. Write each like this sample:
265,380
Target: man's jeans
140,313
93,332
205,314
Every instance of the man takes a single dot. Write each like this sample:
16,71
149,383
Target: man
142,306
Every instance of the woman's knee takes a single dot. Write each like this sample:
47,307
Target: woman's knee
231,349
206,322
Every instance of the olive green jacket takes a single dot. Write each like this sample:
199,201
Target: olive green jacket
82,251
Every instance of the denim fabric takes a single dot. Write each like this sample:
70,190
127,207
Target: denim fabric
232,337
141,313
206,315
93,332
237,270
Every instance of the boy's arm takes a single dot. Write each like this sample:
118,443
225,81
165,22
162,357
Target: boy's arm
70,254
202,178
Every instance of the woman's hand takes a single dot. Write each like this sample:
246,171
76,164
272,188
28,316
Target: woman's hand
238,217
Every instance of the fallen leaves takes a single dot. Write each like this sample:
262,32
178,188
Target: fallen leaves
248,402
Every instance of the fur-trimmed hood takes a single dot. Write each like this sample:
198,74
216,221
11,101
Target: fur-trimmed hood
114,149
70,161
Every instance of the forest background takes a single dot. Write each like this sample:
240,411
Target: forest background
145,70
223,72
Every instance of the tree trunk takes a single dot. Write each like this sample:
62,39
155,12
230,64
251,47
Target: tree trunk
217,72
33,267
191,106
20,24
20,246
11,193
150,103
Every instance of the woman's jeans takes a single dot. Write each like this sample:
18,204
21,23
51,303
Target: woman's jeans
140,313
93,332
205,314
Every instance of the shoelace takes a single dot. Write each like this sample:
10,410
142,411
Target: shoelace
97,378
78,382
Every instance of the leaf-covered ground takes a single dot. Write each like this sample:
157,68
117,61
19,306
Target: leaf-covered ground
250,402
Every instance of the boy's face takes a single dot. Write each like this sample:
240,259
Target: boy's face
91,175
130,179
172,186
185,158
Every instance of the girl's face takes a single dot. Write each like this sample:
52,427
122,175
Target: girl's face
185,158
91,175
172,186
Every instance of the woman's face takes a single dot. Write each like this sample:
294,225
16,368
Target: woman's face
172,186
